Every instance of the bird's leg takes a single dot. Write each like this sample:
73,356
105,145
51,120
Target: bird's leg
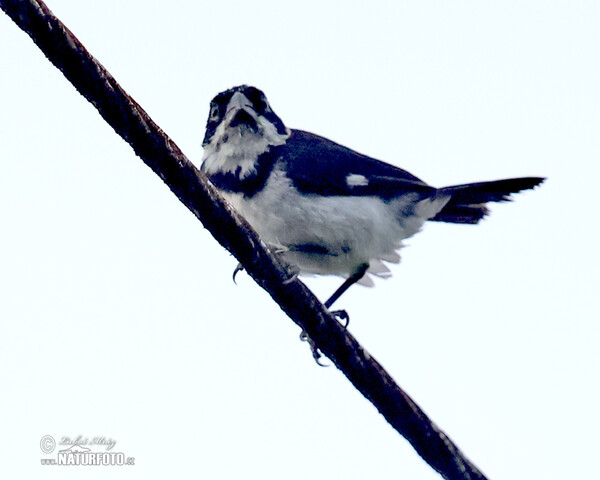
351,280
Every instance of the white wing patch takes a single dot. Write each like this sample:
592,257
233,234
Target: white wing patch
356,180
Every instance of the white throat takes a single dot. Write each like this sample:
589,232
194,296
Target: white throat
236,149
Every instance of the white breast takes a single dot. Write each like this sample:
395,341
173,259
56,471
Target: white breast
355,230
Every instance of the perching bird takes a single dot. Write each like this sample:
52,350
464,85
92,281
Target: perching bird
328,209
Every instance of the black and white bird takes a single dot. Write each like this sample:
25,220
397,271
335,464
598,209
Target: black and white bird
327,208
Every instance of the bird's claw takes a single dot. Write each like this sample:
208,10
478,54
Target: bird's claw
342,316
313,348
344,320
237,270
293,276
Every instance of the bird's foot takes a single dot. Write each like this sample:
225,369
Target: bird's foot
342,316
313,348
277,248
344,320
292,270
293,275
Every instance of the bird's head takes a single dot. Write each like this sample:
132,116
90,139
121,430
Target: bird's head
241,126
242,110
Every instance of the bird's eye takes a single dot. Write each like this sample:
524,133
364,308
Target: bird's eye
214,112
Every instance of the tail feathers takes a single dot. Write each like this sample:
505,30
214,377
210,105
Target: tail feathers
467,202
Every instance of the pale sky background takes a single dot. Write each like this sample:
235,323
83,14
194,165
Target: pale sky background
118,314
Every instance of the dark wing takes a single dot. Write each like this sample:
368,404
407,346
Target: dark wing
317,165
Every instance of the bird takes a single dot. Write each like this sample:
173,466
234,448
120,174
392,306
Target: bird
325,208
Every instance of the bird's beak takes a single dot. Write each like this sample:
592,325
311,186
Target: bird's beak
240,112
238,102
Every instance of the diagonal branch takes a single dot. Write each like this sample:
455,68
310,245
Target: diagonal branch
159,152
